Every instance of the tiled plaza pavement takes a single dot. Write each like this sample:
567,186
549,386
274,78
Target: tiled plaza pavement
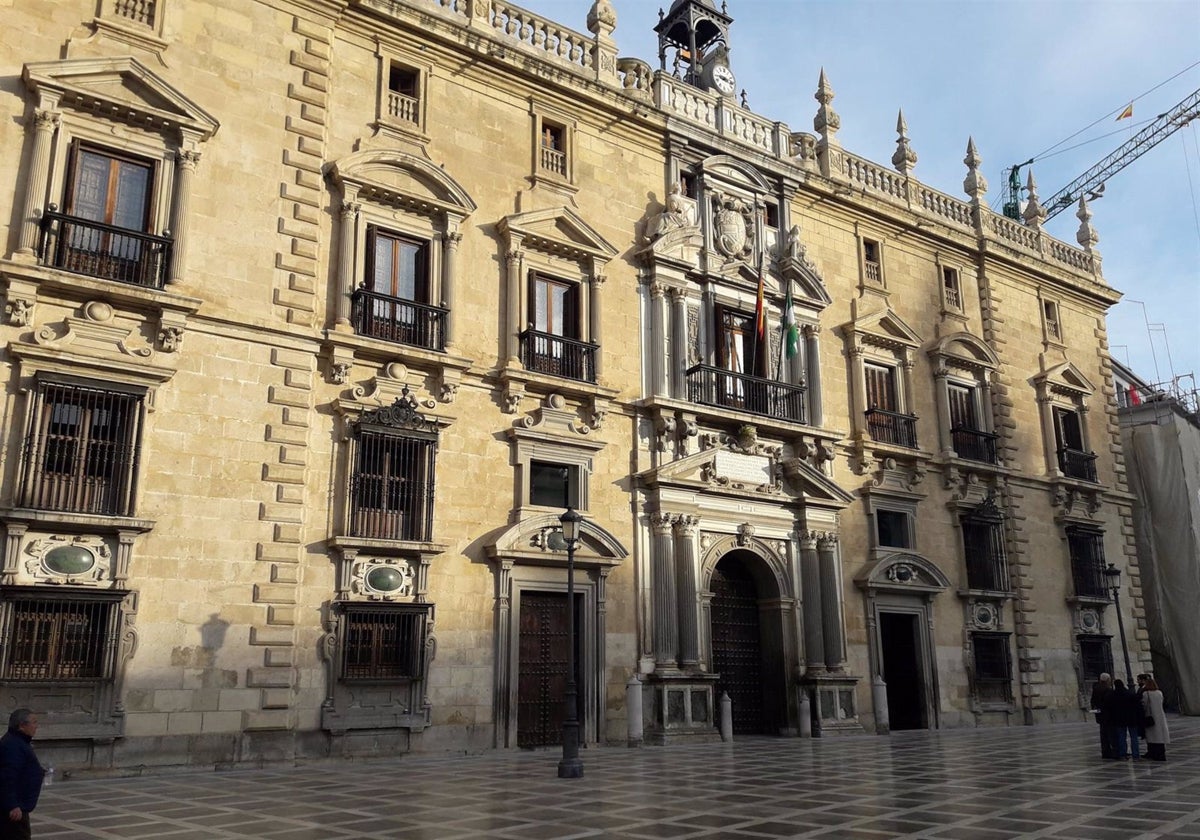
1020,782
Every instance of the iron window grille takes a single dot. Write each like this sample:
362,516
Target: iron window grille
58,635
1087,562
1095,656
81,450
383,642
983,545
993,667
393,473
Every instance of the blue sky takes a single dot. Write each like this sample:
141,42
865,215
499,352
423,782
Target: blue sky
1020,76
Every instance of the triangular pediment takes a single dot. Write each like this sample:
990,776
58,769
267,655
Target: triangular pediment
884,327
390,176
558,231
118,88
721,470
1068,378
965,350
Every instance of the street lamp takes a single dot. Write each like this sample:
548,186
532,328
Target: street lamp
571,766
1114,584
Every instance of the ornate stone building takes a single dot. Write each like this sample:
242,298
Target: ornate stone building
318,313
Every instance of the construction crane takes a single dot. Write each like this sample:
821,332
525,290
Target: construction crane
1091,183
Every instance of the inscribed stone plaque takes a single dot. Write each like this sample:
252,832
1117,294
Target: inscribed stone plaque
751,470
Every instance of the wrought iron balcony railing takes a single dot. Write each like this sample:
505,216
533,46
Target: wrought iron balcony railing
558,355
892,427
398,320
1077,464
82,246
974,445
709,385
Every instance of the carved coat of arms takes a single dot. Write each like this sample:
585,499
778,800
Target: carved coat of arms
731,223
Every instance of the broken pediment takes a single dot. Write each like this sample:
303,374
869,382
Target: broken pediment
391,177
120,89
558,231
538,541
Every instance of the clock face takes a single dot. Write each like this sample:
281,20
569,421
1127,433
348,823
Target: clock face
723,79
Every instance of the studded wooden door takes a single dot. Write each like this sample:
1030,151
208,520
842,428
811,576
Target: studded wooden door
542,668
737,645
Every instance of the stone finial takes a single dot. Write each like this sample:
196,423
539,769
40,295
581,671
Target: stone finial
827,122
975,185
1034,214
905,158
602,18
1086,236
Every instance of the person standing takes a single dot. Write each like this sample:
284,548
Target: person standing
1124,712
20,775
1157,734
1100,692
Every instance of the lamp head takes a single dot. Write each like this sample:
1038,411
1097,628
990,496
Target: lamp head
1114,576
571,520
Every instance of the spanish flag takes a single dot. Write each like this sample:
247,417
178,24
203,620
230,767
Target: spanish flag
1126,114
760,310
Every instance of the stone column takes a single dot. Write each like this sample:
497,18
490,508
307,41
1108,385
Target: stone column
941,388
831,602
595,324
185,171
348,217
910,400
45,123
450,243
858,417
685,563
658,343
708,306
666,626
812,375
516,259
678,349
810,586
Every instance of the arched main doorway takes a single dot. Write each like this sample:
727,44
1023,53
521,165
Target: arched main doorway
746,643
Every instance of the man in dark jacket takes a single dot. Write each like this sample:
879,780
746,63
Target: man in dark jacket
20,775
1100,692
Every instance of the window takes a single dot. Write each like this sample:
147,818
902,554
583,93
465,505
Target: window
81,449
967,434
885,421
983,547
993,667
391,485
553,485
772,212
1073,458
1095,657
393,303
951,292
383,642
1050,320
892,529
1086,547
102,231
54,637
552,343
403,94
554,148
872,267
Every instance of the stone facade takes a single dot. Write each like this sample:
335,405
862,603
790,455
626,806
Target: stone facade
318,312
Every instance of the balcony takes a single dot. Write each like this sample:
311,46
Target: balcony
398,320
96,249
403,108
558,355
1076,463
974,445
892,427
725,388
554,161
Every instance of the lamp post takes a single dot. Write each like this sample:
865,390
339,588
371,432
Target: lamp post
571,766
1114,584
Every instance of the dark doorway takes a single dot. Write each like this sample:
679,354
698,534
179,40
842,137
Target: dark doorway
902,670
542,668
737,645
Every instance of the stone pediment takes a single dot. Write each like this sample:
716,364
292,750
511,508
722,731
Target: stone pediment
538,541
903,572
884,328
389,176
558,231
808,288
735,172
756,470
962,349
1065,378
121,89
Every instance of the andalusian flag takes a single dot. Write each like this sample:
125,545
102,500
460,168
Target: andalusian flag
789,344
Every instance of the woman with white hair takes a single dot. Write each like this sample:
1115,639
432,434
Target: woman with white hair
1157,734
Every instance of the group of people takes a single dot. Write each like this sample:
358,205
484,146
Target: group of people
1125,716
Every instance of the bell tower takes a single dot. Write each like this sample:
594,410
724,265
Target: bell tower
699,36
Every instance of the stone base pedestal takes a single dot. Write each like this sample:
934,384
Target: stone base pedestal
834,703
680,708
